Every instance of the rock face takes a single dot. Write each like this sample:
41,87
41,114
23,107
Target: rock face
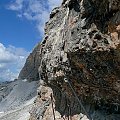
30,69
81,53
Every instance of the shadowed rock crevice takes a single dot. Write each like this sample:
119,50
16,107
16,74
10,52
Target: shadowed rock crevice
100,13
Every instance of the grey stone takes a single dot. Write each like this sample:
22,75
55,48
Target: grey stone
82,44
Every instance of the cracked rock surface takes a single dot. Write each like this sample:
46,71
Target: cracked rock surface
81,45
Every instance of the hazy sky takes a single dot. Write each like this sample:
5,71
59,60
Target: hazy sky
21,28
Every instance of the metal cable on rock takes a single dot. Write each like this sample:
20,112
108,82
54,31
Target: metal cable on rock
80,103
52,106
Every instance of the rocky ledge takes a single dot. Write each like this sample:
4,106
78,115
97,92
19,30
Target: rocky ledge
79,60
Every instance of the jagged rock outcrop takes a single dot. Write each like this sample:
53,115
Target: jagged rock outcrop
81,48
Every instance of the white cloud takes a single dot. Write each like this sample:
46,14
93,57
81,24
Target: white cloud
5,56
18,4
35,10
12,60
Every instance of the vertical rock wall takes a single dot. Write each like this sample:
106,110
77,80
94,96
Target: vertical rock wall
82,45
30,69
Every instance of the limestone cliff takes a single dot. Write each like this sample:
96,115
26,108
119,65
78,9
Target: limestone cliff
30,69
81,50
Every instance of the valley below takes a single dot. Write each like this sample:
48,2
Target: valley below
17,99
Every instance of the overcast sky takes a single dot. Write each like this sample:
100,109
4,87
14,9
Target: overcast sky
22,27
